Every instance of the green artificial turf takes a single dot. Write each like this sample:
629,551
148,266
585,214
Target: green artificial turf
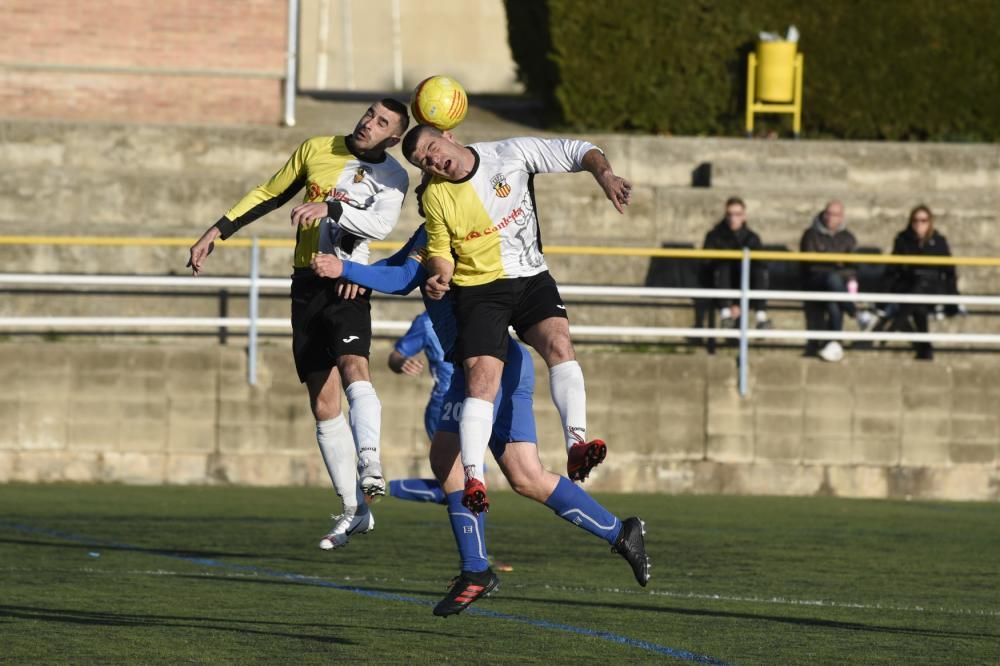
115,574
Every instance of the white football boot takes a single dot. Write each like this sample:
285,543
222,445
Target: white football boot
361,521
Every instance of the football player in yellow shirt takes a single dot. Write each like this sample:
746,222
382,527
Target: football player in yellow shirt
484,238
353,194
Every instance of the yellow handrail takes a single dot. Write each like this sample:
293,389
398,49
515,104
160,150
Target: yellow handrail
579,250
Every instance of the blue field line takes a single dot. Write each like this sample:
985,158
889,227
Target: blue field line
375,594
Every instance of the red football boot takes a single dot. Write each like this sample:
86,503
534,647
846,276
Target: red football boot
583,457
474,498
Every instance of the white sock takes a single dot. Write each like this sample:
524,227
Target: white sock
337,447
570,396
366,418
475,426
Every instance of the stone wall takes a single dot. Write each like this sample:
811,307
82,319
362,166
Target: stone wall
675,423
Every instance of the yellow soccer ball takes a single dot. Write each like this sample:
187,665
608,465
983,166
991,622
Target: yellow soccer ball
439,101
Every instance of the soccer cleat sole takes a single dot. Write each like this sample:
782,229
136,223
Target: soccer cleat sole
476,502
649,564
640,568
373,486
595,456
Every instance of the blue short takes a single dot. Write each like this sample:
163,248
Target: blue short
513,418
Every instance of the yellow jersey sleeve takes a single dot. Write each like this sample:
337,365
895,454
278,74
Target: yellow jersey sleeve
271,195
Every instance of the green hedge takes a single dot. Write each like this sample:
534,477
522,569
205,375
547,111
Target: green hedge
874,69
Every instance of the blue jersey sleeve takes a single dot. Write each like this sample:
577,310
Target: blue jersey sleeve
387,279
415,339
399,274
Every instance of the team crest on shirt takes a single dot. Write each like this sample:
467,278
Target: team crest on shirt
500,185
359,174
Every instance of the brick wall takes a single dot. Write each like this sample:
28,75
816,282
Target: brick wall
204,61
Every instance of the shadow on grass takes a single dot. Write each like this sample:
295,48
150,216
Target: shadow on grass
797,621
128,548
179,553
107,619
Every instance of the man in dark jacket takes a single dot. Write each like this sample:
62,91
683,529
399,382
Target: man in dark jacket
733,233
828,233
921,239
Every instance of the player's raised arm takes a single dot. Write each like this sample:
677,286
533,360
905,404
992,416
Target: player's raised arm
548,155
568,156
259,201
273,194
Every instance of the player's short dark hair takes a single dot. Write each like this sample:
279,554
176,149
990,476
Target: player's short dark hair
399,109
411,138
735,201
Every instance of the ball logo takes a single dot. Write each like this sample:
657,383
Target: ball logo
500,185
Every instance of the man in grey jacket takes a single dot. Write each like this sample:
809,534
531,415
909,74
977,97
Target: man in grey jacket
828,233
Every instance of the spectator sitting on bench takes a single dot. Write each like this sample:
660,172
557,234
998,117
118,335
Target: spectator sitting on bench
921,239
733,233
828,233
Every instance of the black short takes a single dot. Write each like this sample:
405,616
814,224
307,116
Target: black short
324,326
485,311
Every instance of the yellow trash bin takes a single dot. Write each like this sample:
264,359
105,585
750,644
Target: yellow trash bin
776,71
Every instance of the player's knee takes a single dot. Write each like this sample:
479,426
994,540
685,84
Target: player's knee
326,407
560,350
557,350
353,369
482,382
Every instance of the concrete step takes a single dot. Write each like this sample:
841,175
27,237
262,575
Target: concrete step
571,209
649,160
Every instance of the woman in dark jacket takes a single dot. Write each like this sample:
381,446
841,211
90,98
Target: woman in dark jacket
921,239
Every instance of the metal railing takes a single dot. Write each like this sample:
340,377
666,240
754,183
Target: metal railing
255,283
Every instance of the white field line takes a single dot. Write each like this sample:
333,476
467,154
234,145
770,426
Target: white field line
700,596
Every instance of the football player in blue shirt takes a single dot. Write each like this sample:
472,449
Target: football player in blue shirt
403,360
512,441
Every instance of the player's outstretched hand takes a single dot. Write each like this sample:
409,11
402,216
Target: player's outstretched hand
347,290
436,287
307,212
412,366
201,249
327,266
617,189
